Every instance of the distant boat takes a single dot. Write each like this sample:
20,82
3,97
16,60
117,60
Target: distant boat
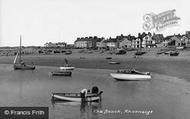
174,53
108,57
139,53
78,97
20,65
120,52
61,73
180,47
68,52
66,66
114,62
130,75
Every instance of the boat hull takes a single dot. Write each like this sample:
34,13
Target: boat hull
23,67
66,68
75,97
61,73
114,62
130,77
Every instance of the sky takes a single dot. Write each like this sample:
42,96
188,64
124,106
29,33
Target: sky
41,21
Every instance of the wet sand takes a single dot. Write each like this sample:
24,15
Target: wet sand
167,96
167,65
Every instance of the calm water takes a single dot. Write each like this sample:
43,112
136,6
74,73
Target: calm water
167,97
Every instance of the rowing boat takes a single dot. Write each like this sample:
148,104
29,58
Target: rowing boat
76,97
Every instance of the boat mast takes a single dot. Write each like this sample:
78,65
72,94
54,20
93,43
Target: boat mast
20,49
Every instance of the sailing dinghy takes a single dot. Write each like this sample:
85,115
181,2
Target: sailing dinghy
20,65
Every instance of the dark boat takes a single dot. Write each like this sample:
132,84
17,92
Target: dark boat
139,53
61,73
20,65
174,53
23,67
108,57
120,52
68,52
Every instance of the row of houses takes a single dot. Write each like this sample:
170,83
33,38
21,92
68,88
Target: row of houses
59,44
142,41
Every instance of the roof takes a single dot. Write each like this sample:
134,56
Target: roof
111,40
89,39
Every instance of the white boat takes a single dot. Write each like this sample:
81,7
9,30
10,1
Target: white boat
76,97
114,62
130,75
83,96
66,66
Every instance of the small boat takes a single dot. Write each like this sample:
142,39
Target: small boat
66,66
174,53
83,96
180,47
130,75
21,65
68,52
139,53
108,57
114,62
61,73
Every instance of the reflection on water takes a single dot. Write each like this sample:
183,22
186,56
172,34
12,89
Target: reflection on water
167,99
88,110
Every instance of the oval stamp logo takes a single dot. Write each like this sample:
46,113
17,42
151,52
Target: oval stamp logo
160,21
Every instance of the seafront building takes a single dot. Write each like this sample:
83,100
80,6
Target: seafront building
59,44
125,43
136,43
87,42
177,41
144,40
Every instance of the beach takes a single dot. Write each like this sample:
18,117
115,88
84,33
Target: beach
165,96
177,66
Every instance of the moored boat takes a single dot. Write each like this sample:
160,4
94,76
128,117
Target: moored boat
20,65
108,58
174,53
139,53
114,62
83,96
61,73
130,75
23,67
68,52
66,66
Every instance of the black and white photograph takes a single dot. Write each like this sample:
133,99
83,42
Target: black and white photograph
94,59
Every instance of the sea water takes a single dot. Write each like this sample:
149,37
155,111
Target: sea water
162,97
